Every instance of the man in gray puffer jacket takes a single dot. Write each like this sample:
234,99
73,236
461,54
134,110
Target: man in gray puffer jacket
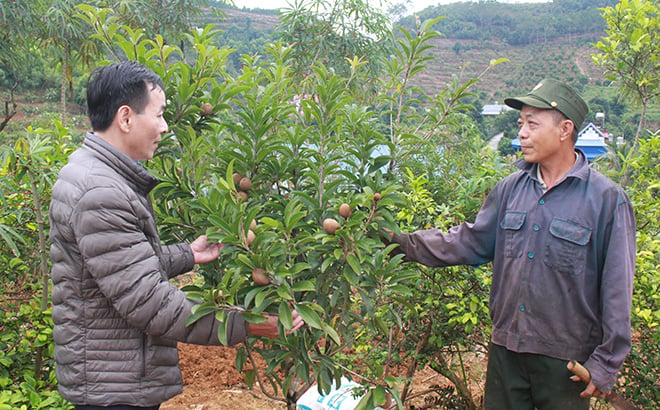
117,317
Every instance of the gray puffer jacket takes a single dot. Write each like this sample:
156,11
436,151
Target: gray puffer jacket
117,317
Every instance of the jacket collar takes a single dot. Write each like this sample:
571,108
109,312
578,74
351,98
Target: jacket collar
579,170
129,169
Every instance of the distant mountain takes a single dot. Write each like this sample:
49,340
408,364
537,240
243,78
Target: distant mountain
540,40
516,24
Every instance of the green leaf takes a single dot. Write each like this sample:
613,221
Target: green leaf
250,377
199,311
241,359
245,260
222,329
495,62
366,402
304,286
284,292
284,312
354,263
382,326
350,275
273,223
253,317
310,317
263,298
299,267
331,333
380,396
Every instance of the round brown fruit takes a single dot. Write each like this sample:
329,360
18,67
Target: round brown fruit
253,225
330,225
259,277
245,184
377,196
250,237
206,108
345,210
236,177
243,196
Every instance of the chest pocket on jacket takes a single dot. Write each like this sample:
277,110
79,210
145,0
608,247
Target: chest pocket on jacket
513,236
566,250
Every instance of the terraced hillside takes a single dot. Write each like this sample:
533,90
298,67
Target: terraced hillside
526,66
565,58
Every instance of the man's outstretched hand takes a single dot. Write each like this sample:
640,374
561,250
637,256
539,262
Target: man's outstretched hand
269,327
205,251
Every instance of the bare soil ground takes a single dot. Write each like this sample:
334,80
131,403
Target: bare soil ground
211,382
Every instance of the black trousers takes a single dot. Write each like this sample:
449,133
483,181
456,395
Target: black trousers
525,381
119,407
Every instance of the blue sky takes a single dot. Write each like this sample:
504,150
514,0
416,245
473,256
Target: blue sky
415,5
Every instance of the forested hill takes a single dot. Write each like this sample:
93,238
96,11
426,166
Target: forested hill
517,24
539,39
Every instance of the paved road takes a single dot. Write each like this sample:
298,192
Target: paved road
495,140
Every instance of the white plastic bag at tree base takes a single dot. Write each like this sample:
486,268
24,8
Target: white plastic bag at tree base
341,398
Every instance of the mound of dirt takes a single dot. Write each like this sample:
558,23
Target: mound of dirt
211,382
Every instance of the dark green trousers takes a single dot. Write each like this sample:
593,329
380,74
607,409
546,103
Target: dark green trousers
525,381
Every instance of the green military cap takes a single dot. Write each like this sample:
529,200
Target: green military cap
551,94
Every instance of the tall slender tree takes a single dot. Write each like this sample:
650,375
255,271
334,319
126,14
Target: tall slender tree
18,22
631,53
69,41
336,33
65,37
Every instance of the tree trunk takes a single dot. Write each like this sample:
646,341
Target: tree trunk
625,178
640,126
65,66
9,112
43,252
440,366
412,365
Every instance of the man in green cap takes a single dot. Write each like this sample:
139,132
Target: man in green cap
561,237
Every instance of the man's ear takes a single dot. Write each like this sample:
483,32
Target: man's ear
124,118
567,127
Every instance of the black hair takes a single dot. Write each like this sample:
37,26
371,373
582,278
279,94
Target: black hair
109,87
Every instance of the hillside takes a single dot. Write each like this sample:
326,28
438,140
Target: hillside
526,66
257,20
566,57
